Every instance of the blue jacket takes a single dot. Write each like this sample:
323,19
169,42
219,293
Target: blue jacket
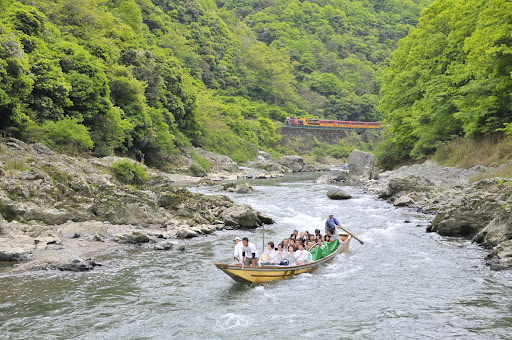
331,224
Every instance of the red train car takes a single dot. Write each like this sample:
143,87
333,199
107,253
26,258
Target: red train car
322,123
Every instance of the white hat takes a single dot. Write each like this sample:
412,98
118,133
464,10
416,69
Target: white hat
331,214
237,238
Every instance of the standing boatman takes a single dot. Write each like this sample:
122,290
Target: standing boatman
237,253
249,253
332,224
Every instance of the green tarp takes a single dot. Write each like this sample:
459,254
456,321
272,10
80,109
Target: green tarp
327,249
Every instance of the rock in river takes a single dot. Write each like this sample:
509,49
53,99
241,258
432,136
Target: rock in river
338,194
361,164
241,216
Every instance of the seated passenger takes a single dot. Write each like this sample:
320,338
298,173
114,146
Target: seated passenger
280,255
285,243
327,238
293,237
291,242
301,235
269,254
290,256
330,234
301,255
297,243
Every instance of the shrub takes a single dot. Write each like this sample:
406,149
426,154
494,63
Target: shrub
67,135
203,162
15,164
130,172
197,171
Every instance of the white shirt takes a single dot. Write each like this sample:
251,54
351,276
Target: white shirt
290,256
301,256
272,254
238,251
251,248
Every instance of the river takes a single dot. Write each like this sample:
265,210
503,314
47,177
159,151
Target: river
402,283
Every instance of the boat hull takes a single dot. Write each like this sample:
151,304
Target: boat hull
273,273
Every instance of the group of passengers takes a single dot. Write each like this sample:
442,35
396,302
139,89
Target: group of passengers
294,250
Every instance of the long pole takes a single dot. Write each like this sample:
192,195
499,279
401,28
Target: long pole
263,237
354,236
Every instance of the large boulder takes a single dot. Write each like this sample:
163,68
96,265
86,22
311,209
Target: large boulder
334,176
243,188
218,163
16,250
135,237
265,219
186,232
338,194
48,215
403,201
292,163
501,256
498,230
361,164
407,184
241,216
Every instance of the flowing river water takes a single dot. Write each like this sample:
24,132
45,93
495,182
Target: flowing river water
402,283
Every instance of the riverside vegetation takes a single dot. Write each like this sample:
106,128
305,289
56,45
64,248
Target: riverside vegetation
147,78
58,210
168,82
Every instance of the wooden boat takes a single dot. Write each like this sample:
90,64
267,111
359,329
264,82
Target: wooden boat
274,273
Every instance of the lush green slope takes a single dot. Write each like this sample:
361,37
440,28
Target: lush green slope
338,48
450,76
147,77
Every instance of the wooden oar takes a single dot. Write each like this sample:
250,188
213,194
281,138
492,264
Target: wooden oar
354,236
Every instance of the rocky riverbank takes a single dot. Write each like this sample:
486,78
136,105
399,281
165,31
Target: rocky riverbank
463,206
460,203
60,212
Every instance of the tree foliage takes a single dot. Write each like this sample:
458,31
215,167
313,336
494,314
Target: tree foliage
450,76
146,77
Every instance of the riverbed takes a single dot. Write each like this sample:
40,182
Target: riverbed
402,283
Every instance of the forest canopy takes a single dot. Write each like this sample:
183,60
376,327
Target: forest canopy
451,76
148,77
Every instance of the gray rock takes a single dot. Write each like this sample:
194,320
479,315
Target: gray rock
324,179
41,149
339,175
361,164
265,219
337,194
497,231
407,184
77,265
16,250
403,201
135,237
79,184
218,163
292,163
334,176
242,216
186,233
48,216
166,245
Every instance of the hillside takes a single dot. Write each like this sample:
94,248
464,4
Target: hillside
450,77
147,78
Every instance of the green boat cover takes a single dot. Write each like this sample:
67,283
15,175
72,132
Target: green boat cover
325,250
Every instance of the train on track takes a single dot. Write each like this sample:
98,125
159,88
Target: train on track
329,124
